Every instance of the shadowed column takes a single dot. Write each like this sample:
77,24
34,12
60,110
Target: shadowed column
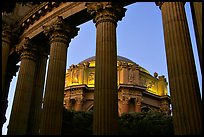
105,115
11,71
6,42
60,37
184,88
196,10
21,104
37,95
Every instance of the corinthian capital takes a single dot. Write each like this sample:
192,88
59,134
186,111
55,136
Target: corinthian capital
6,33
105,11
159,4
27,50
60,29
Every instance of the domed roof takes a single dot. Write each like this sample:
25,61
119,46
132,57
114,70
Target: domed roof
119,58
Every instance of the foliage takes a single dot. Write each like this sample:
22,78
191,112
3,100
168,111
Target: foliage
146,123
77,123
143,123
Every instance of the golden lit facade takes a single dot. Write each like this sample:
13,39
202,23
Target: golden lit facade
137,89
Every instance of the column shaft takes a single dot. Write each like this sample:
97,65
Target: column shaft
37,96
196,10
10,72
105,96
184,88
54,91
105,115
21,105
5,51
60,36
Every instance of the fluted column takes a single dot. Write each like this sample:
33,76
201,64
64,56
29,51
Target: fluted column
138,102
184,88
6,43
105,115
60,36
196,10
21,104
11,70
37,95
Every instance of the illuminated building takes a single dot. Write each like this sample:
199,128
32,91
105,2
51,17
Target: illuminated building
138,90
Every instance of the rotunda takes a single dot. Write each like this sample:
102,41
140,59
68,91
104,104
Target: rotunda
138,90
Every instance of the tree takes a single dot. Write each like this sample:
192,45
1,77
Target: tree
133,123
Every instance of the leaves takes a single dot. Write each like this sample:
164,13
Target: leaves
132,123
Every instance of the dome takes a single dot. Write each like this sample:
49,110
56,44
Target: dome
119,58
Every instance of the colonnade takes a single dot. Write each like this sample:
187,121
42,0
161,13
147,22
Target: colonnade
33,114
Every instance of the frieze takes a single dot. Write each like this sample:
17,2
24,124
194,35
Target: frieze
75,74
146,82
91,78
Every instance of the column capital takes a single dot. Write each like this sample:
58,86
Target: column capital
10,33
160,4
81,65
138,99
105,11
79,100
123,64
27,50
59,31
6,33
125,99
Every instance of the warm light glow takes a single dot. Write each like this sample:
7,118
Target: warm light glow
154,85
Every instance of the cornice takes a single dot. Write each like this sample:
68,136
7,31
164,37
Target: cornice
35,13
48,20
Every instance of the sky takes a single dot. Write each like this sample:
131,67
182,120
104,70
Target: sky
139,38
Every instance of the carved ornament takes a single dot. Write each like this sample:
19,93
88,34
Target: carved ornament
60,31
27,50
138,100
105,11
125,99
79,100
6,33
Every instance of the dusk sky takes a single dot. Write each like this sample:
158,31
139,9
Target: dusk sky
139,38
